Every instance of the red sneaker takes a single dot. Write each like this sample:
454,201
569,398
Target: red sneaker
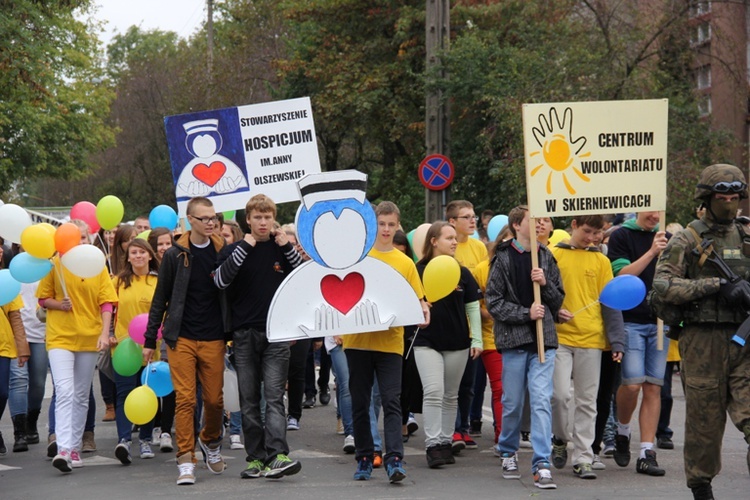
468,441
458,443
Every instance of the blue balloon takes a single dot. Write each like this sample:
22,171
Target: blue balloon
475,235
28,269
163,216
159,378
497,223
9,287
624,292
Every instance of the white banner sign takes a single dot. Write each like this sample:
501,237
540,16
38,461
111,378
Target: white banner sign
232,154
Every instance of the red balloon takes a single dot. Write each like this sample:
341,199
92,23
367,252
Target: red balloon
86,211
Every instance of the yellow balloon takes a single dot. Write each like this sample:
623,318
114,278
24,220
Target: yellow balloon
440,277
558,235
38,241
141,405
49,227
144,235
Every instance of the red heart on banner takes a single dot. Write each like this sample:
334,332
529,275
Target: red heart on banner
343,294
209,175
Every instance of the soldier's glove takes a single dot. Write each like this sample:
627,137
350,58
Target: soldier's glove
735,294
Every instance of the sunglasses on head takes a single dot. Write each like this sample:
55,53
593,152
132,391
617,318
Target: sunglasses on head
726,187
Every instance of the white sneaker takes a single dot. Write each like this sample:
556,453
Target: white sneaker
75,459
510,466
349,444
145,449
597,463
187,470
155,435
165,442
292,424
235,442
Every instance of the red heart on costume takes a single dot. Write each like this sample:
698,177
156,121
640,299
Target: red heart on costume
209,175
343,294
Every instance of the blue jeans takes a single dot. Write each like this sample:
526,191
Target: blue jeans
90,416
124,385
641,361
18,388
256,360
38,365
522,369
344,397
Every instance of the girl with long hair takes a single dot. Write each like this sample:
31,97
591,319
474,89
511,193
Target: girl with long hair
135,286
443,348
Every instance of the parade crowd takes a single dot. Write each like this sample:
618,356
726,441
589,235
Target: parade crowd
208,291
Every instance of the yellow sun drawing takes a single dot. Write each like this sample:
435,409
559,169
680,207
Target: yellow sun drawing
559,151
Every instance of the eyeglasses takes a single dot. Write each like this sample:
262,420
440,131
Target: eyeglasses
726,187
206,220
468,217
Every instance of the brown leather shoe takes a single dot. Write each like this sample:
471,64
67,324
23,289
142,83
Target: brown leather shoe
109,415
88,444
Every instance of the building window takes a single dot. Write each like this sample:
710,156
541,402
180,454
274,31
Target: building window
703,77
698,8
704,105
700,34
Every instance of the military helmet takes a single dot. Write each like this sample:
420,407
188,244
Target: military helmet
720,178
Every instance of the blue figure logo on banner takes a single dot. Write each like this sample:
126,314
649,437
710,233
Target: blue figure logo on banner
341,290
203,162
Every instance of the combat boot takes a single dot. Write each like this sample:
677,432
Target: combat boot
703,492
19,433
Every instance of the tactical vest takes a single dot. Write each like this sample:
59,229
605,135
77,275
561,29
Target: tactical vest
734,248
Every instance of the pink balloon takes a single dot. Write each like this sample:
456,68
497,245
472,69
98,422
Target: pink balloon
86,211
137,328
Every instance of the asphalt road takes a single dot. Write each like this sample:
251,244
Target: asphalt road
327,471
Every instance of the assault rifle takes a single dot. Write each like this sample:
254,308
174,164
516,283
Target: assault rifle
743,332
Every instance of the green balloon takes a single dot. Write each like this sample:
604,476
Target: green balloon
127,358
109,212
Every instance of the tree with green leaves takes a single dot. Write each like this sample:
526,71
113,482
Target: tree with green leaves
53,106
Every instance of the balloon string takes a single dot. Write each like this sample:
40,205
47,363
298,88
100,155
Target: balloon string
412,343
60,276
148,369
585,307
108,252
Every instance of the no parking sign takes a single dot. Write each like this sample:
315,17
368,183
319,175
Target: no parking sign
436,172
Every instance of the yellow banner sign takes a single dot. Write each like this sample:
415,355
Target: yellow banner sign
595,157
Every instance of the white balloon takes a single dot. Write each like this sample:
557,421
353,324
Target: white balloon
13,220
85,261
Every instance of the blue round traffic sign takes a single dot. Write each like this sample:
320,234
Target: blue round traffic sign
436,172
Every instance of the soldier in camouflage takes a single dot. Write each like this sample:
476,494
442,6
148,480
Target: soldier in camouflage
716,371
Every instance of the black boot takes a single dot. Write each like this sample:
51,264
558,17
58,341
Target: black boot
3,449
435,457
32,434
19,433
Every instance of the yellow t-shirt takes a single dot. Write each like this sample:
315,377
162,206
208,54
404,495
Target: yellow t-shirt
391,340
470,253
584,275
673,353
481,273
132,301
78,329
7,339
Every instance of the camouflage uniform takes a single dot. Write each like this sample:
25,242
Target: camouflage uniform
715,371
